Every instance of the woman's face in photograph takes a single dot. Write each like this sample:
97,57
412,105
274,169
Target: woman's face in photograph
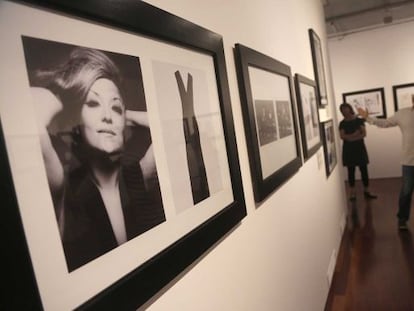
103,117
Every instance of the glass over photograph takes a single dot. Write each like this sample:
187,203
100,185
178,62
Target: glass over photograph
96,145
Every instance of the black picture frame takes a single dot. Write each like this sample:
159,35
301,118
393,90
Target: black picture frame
318,67
21,291
264,183
403,95
329,146
308,115
371,99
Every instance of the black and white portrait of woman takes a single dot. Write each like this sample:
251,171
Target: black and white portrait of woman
96,145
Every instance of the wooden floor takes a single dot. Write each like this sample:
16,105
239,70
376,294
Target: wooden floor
375,267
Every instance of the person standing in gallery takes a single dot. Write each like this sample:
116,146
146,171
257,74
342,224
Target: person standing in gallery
354,153
404,119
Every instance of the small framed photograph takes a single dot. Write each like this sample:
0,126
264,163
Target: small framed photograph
329,147
118,158
266,93
372,100
403,95
306,96
318,67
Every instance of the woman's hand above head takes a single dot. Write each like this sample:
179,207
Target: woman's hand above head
47,105
147,162
148,167
137,118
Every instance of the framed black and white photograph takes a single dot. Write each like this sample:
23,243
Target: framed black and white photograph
403,95
318,67
118,155
306,96
266,93
329,147
373,100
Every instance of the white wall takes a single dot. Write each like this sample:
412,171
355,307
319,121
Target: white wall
277,259
377,58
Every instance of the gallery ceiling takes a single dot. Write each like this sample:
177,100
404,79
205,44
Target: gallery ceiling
349,16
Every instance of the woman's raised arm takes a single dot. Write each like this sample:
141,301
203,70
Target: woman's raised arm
136,118
47,105
147,162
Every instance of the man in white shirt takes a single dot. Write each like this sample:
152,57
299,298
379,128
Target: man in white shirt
404,119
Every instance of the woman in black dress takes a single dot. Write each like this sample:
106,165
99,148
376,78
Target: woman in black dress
354,153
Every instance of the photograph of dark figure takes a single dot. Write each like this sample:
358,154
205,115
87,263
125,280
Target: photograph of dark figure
308,129
96,145
314,114
354,153
284,119
329,146
196,166
309,112
266,121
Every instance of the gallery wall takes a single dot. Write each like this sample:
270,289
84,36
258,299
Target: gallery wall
373,59
279,256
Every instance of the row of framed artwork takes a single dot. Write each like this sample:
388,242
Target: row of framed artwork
269,113
374,99
174,75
